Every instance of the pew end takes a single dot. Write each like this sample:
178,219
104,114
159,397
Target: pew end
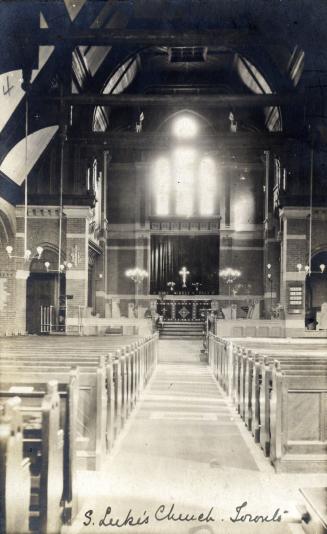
15,479
314,510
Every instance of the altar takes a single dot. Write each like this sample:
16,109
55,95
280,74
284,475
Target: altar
187,309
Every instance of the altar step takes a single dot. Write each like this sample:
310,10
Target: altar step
182,330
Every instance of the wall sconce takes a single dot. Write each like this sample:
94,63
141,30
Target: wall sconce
27,254
63,267
308,271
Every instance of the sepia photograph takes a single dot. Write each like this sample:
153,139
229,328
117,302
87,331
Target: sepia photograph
163,267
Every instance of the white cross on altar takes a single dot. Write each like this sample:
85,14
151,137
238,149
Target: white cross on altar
184,273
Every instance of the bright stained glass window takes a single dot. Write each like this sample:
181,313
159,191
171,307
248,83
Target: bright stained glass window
183,169
207,186
185,184
163,187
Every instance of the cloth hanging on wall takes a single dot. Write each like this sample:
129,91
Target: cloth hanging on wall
200,254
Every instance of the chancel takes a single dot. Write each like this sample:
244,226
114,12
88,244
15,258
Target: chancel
163,266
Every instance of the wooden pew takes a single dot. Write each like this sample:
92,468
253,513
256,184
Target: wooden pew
15,479
99,390
252,374
253,385
266,387
253,388
92,404
68,394
298,428
43,445
121,393
234,369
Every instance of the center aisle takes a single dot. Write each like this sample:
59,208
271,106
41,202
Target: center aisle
183,446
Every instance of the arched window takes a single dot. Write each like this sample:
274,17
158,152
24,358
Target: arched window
185,184
185,179
162,186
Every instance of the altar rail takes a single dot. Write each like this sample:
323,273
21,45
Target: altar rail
250,328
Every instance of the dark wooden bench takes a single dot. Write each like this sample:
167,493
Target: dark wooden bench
43,445
98,392
248,376
15,479
92,403
105,391
32,389
298,439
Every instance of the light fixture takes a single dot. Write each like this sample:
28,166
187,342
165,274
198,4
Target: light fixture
137,275
171,285
308,271
63,267
196,285
229,276
27,254
185,127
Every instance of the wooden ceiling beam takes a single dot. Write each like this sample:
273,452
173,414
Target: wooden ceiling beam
228,38
189,100
224,163
157,141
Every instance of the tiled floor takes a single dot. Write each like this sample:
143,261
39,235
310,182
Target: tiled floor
185,445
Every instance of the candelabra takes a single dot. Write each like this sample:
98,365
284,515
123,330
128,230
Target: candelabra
171,286
137,275
196,285
229,276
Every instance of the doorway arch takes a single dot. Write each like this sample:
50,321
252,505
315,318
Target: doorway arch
44,288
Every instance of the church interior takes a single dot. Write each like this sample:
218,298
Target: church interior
163,266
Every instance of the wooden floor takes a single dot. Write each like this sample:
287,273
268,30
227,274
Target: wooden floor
185,445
